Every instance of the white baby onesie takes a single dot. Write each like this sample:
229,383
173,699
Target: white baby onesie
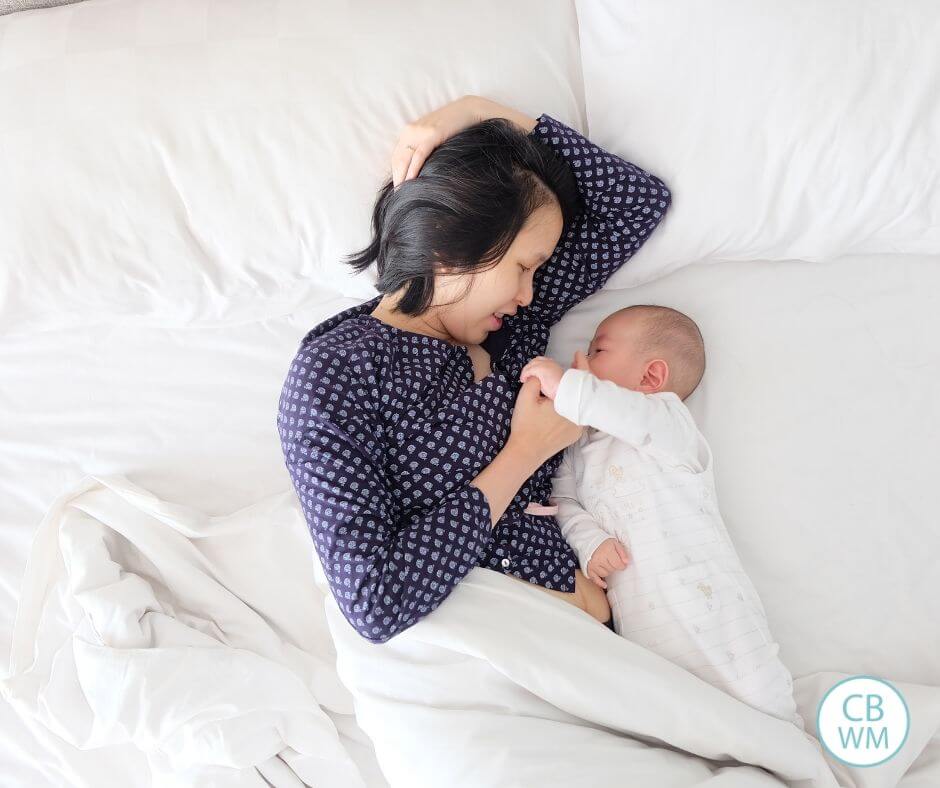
642,473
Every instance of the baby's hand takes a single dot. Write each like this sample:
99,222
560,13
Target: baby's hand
548,372
610,556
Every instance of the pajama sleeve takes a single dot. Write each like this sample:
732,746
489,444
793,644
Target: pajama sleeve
622,205
579,528
386,568
657,423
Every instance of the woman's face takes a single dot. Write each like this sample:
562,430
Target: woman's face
503,288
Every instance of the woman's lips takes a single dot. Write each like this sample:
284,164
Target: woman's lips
497,322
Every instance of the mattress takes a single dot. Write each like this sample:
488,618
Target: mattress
821,401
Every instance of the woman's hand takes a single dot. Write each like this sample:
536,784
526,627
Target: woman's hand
536,425
422,136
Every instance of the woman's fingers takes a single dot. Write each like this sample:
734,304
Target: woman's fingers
401,161
420,137
530,388
417,161
411,151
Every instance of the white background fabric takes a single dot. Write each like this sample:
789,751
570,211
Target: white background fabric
820,400
825,490
234,150
221,684
786,131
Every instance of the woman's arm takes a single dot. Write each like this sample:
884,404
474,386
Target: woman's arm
623,204
484,109
502,478
386,567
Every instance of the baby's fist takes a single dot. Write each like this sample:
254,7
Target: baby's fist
609,557
548,372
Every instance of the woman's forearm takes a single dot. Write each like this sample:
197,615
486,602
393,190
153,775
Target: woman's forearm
485,109
501,479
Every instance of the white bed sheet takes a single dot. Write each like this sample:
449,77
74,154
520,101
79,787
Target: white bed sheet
820,401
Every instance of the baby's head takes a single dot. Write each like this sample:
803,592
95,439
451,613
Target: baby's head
649,349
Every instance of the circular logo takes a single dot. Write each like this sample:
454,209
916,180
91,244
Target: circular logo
863,721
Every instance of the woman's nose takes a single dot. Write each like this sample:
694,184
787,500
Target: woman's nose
525,298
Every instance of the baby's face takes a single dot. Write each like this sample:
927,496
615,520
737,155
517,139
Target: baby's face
613,353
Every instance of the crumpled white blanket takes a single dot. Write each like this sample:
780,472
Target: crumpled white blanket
199,639
206,642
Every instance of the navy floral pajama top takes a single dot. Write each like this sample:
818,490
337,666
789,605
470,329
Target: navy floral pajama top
383,429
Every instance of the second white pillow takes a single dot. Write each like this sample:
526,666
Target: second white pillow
785,130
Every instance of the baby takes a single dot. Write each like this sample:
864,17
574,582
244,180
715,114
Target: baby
636,500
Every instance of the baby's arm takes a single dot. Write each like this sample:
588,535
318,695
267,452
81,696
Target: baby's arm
577,525
628,415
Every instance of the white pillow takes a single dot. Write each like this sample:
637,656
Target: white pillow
785,130
195,162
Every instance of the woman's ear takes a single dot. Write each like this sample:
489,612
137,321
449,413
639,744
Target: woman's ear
655,377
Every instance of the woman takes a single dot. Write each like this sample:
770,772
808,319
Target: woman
412,447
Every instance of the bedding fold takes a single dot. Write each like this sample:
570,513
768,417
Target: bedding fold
504,685
198,639
209,643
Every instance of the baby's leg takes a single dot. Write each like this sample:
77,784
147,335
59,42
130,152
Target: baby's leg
587,596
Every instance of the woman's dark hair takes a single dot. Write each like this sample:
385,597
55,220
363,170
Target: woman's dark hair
464,209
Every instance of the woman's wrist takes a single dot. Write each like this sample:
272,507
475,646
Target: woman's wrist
484,109
524,454
501,479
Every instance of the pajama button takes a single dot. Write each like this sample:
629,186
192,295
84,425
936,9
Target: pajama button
505,563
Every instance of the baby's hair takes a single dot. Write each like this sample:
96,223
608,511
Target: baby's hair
669,329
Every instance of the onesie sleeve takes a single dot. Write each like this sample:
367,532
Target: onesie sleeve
622,205
657,423
386,568
578,526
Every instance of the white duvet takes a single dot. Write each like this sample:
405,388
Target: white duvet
205,642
